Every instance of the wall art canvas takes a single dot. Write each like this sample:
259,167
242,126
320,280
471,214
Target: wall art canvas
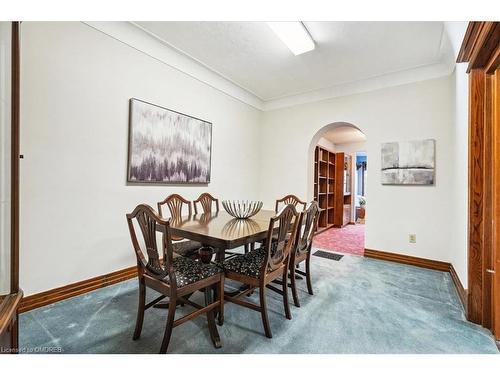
166,146
409,163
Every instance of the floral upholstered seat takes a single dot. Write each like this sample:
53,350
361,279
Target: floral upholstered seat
188,271
248,264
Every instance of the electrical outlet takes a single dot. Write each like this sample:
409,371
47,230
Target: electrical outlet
412,238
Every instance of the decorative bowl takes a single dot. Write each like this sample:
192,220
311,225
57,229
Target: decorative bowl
242,209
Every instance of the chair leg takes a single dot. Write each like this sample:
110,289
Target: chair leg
212,327
220,296
286,305
294,287
170,325
140,309
263,311
247,248
308,274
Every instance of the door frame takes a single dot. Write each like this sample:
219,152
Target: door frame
480,48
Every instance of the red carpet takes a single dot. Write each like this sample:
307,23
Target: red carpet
349,239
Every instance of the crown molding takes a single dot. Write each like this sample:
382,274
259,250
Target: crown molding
421,73
142,41
150,44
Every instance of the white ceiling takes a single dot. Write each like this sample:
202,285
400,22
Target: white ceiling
345,134
250,55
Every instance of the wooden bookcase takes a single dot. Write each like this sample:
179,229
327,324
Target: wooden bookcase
329,180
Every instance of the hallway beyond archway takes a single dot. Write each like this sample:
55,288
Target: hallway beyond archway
339,186
349,239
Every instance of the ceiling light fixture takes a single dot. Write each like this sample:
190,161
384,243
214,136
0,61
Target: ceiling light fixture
294,35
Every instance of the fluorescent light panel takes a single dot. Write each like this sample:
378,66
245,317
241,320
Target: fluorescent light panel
294,35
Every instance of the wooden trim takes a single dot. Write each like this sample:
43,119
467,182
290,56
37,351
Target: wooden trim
14,156
481,49
493,63
58,294
462,292
424,263
477,191
480,45
8,309
495,255
406,259
470,38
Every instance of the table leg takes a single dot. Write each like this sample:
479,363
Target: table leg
214,334
206,253
220,255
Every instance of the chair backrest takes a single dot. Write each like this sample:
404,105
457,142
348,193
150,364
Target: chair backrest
159,258
175,204
206,200
290,199
307,228
280,238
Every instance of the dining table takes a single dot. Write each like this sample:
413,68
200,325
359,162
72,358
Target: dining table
220,231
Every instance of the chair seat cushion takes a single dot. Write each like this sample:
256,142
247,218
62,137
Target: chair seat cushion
186,248
188,271
249,264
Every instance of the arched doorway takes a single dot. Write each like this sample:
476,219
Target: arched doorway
337,181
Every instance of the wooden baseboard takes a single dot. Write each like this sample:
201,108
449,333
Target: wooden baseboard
462,292
406,259
424,263
58,294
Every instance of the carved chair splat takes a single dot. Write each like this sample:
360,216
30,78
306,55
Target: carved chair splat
302,248
290,199
206,200
176,205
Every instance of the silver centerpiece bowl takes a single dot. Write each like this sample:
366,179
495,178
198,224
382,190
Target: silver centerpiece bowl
242,209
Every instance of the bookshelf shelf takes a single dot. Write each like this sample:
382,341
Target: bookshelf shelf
331,182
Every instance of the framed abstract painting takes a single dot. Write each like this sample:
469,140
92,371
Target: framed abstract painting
167,146
409,163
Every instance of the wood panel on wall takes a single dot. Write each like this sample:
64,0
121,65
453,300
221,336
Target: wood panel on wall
476,195
495,288
481,49
9,326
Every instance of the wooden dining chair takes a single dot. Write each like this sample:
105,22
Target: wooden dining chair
290,199
260,267
301,250
176,205
206,200
174,277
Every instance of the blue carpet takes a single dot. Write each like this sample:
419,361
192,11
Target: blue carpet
360,306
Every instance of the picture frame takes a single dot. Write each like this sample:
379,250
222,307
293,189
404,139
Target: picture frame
166,146
409,162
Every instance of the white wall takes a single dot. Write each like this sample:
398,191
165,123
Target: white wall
460,139
414,111
325,143
460,136
351,148
5,103
74,197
